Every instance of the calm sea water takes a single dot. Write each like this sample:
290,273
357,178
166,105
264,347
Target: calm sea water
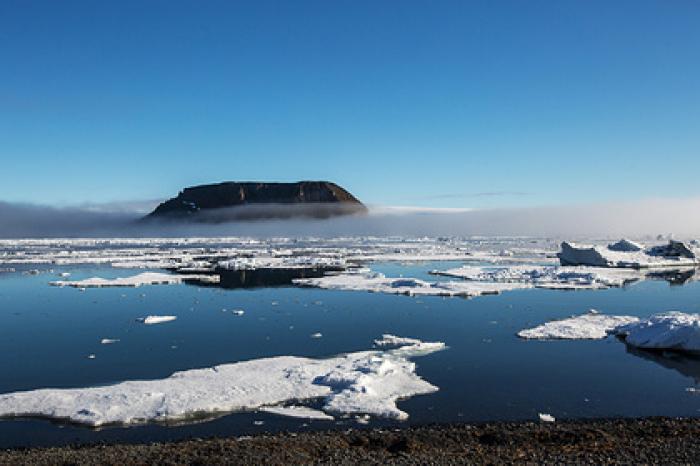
47,333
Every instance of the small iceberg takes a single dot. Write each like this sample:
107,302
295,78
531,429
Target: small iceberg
626,253
668,331
589,326
152,320
378,283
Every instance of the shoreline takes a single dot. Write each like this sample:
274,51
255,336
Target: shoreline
612,441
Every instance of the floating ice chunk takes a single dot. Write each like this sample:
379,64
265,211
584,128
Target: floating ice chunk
671,331
298,411
316,335
146,278
378,283
365,382
152,320
673,254
290,262
590,326
393,340
551,277
546,417
109,341
625,245
91,356
238,312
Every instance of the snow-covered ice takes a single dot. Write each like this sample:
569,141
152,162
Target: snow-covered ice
670,331
625,253
146,278
544,417
365,382
393,340
152,320
589,326
551,277
378,283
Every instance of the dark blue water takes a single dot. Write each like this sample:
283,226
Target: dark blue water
47,333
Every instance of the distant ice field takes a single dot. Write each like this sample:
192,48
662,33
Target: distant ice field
52,336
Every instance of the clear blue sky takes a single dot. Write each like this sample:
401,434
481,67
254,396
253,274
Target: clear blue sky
434,103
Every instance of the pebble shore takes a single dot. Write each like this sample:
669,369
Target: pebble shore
606,441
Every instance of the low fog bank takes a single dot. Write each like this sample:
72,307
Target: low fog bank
680,217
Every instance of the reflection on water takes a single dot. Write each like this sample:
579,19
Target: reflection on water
687,364
674,276
258,278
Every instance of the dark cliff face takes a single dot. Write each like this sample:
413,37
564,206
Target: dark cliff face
247,201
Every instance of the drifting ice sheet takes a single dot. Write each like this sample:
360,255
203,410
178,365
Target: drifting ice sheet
152,320
366,382
146,278
671,331
378,283
551,277
590,326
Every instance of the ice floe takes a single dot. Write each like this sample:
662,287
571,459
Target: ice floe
152,320
544,417
393,340
552,277
109,341
589,326
146,278
379,283
626,253
365,382
669,331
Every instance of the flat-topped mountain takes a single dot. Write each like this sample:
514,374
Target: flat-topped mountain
252,200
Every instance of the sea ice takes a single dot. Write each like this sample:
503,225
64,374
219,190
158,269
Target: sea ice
551,277
669,331
365,382
152,320
146,278
378,283
589,326
625,254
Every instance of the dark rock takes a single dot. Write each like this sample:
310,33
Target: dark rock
251,201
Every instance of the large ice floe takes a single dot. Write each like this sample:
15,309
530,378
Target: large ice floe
674,331
589,326
626,253
552,277
378,283
146,278
365,382
669,331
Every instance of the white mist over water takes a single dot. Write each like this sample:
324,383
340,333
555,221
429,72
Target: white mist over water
649,217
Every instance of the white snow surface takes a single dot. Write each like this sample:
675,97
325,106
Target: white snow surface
625,254
152,320
146,278
670,331
589,326
393,340
365,382
378,283
552,277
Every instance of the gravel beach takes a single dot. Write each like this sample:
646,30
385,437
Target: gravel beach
610,441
